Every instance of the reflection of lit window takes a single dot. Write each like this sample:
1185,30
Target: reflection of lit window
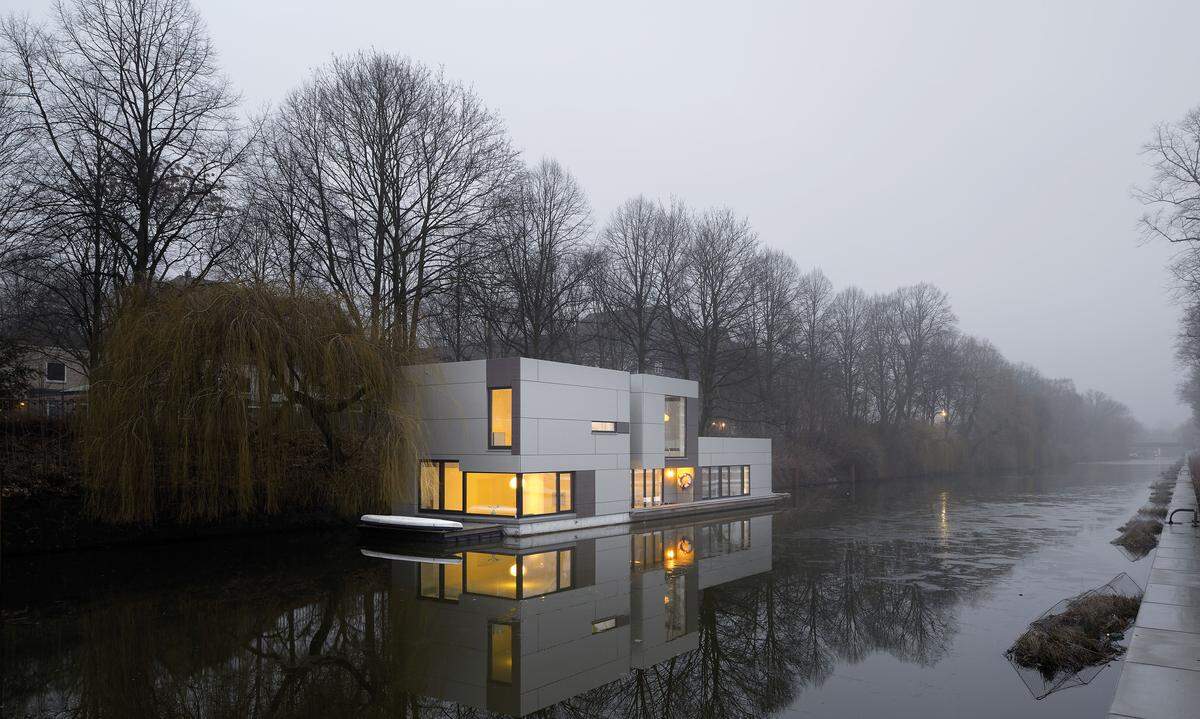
441,581
675,606
500,640
500,417
518,577
604,625
674,427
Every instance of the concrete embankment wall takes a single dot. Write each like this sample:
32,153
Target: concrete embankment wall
1160,677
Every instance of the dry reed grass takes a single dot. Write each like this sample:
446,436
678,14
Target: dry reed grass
1077,637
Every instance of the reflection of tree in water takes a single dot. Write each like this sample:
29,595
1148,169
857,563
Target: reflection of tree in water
328,643
762,640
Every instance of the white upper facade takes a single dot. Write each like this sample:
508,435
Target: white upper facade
554,408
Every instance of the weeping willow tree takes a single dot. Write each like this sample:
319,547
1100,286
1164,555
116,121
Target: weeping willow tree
226,399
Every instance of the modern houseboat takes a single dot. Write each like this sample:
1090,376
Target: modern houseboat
538,446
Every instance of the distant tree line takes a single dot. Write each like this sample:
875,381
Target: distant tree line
396,191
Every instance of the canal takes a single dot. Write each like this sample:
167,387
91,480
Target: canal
888,599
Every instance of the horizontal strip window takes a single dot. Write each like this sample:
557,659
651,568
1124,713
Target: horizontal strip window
725,481
444,487
609,427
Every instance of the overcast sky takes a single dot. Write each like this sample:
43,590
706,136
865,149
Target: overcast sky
990,151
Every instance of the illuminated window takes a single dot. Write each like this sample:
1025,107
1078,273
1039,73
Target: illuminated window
675,426
452,482
604,426
745,479
493,494
500,417
441,486
566,501
539,493
500,651
647,485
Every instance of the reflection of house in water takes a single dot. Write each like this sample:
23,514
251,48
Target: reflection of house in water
516,630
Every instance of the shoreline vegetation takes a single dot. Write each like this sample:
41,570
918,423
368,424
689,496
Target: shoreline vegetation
1140,534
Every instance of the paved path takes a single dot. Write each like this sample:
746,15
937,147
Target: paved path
1160,678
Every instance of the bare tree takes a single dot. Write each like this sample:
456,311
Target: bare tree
137,141
630,282
384,167
533,288
1174,189
712,310
849,316
774,323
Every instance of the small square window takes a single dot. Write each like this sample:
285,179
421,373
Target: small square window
56,372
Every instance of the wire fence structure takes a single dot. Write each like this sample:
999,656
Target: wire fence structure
1036,681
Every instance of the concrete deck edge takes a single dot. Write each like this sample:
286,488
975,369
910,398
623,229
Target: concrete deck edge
1160,676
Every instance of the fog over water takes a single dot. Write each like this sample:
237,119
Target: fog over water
990,151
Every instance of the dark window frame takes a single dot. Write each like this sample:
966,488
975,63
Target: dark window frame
511,419
724,480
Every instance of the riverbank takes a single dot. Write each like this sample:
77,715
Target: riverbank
1160,677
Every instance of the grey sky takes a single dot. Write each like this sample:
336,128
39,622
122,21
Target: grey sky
989,150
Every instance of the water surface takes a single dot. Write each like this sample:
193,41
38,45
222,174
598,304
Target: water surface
893,599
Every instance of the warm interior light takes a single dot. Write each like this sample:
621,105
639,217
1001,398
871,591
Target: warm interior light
512,571
512,483
666,599
666,417
670,474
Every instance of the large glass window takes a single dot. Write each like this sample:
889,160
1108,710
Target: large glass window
492,493
729,481
647,487
674,422
500,418
539,493
441,581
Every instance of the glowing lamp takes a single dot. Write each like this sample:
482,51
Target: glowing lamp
512,483
670,554
666,417
512,570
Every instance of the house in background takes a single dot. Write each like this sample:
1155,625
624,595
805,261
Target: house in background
57,382
539,446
